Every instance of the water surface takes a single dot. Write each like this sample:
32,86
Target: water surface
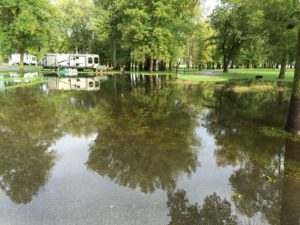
146,150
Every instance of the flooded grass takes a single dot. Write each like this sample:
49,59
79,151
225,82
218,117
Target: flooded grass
256,88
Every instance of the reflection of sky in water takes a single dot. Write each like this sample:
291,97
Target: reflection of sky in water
75,195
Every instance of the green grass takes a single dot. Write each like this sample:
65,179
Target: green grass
261,71
204,79
238,74
192,75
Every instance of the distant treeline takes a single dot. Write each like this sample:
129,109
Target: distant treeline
155,35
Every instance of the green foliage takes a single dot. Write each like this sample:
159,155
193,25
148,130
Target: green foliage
236,24
75,25
154,29
24,25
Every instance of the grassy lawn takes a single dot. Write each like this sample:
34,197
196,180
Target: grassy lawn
261,71
203,78
193,75
239,74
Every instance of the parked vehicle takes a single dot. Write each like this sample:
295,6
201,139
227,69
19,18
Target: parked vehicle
29,60
75,61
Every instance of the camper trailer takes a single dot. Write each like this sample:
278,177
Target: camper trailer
76,61
29,60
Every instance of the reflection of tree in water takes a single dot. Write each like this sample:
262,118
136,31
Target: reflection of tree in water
76,112
290,205
258,178
30,122
148,141
24,166
25,125
214,210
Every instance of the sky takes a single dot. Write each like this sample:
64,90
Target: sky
210,5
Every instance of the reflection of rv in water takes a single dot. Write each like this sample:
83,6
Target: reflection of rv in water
29,60
78,61
74,83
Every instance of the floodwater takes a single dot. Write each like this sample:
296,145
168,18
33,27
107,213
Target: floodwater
146,150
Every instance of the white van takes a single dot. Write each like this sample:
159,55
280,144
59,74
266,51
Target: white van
29,60
76,61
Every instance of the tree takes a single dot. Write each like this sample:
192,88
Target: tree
75,25
293,121
236,24
24,24
107,17
281,37
151,30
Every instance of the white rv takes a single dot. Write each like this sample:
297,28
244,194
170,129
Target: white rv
76,61
29,60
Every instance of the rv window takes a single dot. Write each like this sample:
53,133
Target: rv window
91,84
90,60
96,60
97,84
77,57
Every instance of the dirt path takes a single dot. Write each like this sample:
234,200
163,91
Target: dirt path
206,74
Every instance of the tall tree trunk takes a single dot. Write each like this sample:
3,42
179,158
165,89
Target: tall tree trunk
151,66
282,68
147,64
225,65
140,66
21,65
135,65
154,65
293,122
114,53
